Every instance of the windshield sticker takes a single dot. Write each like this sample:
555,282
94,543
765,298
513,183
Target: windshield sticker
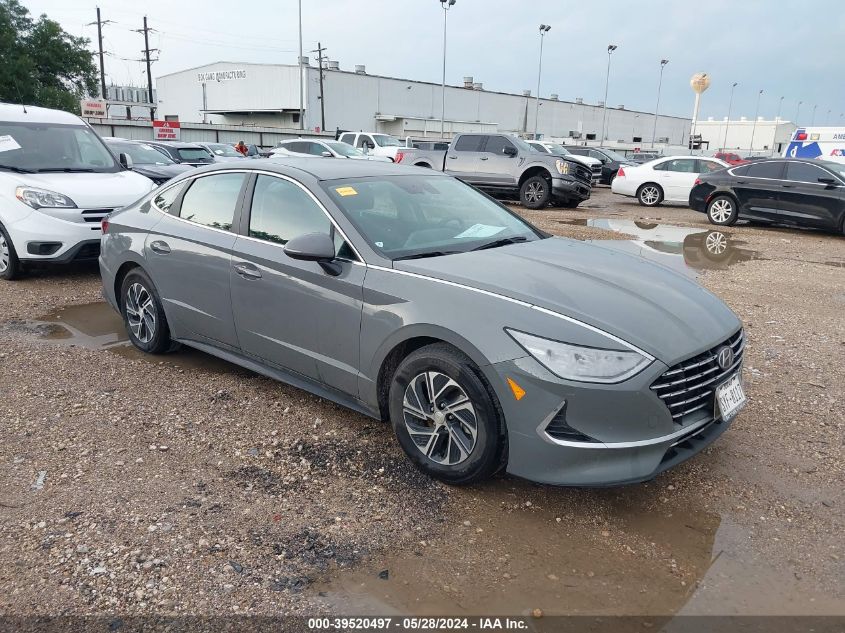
346,191
480,230
7,143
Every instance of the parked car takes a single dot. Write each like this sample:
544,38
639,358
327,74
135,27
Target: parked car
409,296
611,161
146,160
508,166
372,143
57,181
254,151
663,180
222,152
731,158
183,153
322,148
556,149
798,192
638,158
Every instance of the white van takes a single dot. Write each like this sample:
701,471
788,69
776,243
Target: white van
57,182
825,143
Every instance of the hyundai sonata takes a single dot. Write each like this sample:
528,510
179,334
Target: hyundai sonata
411,297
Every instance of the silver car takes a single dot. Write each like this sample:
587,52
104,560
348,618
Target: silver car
409,296
323,149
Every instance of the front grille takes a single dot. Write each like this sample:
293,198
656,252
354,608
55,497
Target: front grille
582,173
95,215
690,385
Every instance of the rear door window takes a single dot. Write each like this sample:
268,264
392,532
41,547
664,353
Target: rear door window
685,165
211,200
347,138
769,169
469,143
708,166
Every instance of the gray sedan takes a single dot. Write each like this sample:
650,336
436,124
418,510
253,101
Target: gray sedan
411,297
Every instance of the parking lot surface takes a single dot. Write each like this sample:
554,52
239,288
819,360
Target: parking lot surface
183,484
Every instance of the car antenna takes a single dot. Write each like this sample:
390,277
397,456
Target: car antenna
20,96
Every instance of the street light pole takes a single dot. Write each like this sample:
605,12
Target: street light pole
301,91
798,112
610,49
827,118
663,63
754,127
777,120
544,28
813,118
446,4
728,122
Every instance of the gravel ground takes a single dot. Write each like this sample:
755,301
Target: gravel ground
186,485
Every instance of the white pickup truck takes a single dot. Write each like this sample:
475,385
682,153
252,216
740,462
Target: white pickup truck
374,143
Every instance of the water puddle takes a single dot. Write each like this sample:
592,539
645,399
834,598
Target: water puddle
687,250
579,553
97,326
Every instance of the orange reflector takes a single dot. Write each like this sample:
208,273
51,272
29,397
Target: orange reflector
518,392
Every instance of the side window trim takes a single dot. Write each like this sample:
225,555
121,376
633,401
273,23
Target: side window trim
246,212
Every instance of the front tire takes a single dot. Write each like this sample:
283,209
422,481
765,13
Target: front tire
535,192
722,211
10,265
650,194
143,315
446,417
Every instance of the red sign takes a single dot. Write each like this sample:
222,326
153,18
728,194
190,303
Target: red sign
166,130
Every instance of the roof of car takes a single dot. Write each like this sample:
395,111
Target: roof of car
17,113
176,144
324,169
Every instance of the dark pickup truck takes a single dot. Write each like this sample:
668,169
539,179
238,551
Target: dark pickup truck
507,166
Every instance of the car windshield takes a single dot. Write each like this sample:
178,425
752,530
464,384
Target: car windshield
419,216
51,147
140,153
614,155
558,150
344,149
383,140
221,149
190,153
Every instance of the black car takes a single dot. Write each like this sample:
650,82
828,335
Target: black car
791,191
184,153
610,161
146,160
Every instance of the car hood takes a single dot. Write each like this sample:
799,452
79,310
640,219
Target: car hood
161,171
648,305
90,191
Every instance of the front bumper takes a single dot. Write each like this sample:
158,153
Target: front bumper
601,435
570,189
40,237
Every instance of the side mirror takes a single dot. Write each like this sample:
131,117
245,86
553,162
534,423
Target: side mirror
314,247
125,160
327,154
509,150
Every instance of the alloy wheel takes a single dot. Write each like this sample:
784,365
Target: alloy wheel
440,418
650,195
721,210
4,253
141,312
534,192
716,243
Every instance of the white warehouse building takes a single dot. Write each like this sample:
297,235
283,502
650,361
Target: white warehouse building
767,136
268,95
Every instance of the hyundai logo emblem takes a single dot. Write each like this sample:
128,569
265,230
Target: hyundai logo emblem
725,357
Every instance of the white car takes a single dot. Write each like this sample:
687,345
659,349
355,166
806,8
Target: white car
667,179
547,147
58,181
373,143
318,147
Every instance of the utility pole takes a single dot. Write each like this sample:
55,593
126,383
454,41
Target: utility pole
301,88
319,52
100,24
147,50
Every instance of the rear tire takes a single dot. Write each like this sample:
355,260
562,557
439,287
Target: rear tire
535,192
650,194
722,211
456,436
10,265
143,315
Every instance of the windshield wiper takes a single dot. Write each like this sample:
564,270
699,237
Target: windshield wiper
502,242
66,169
17,170
426,254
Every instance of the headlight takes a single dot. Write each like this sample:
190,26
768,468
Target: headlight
43,199
562,167
584,364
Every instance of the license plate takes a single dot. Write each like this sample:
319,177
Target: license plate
730,398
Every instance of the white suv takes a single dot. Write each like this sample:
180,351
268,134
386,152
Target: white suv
57,183
373,143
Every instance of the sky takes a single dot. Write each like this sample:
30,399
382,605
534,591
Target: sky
787,48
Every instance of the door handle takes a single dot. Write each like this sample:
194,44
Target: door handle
742,182
160,247
247,271
788,186
452,157
485,158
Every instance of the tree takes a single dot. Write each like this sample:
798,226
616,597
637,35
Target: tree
40,63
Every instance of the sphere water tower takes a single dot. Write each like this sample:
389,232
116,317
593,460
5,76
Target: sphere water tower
699,82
